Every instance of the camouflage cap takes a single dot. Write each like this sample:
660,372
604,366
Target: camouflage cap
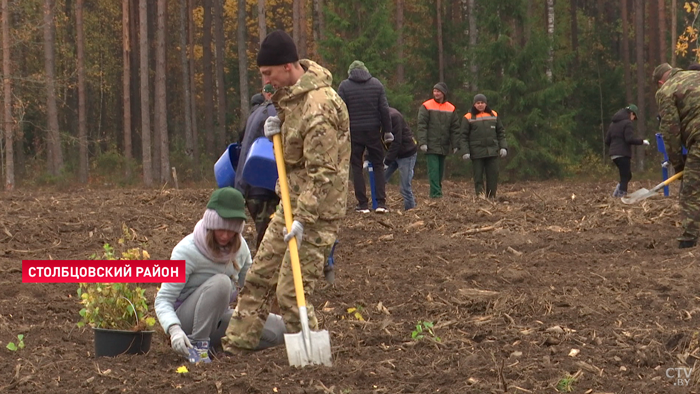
660,70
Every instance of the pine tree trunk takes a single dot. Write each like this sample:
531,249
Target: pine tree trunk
208,81
550,36
186,91
161,103
473,36
626,52
55,157
662,30
653,30
82,122
243,63
301,48
319,28
399,43
7,90
262,23
573,10
220,83
296,22
155,136
193,87
674,31
126,86
641,79
441,55
145,99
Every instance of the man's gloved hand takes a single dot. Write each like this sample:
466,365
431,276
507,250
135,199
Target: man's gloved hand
387,163
665,164
424,148
178,340
272,126
454,150
388,137
365,164
297,231
645,142
466,156
503,152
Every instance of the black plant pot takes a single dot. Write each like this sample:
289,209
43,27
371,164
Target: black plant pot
110,343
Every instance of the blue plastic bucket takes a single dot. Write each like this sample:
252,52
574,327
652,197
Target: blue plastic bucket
225,167
260,169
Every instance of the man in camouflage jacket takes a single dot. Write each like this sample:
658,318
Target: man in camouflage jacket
315,128
678,100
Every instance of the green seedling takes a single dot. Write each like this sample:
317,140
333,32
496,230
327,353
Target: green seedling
566,384
16,346
423,329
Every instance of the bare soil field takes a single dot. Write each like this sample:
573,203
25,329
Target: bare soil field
553,283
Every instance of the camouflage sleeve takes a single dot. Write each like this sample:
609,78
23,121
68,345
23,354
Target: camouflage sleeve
422,132
670,127
501,134
321,152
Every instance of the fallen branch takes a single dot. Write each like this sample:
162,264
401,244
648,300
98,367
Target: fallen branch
473,231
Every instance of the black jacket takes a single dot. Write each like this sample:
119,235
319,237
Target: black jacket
367,106
620,136
254,129
403,145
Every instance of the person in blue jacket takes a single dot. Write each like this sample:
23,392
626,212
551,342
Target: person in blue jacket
195,314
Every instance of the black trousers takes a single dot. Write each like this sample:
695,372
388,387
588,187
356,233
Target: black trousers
375,155
261,210
624,166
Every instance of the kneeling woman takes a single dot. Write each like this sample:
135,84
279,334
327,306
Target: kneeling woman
196,313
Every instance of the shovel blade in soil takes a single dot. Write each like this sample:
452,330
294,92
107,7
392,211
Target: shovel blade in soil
316,351
639,195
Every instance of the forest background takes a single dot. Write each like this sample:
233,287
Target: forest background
120,92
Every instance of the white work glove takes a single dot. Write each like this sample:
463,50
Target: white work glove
466,156
645,142
424,148
365,164
666,164
388,137
272,126
297,231
503,152
454,150
178,340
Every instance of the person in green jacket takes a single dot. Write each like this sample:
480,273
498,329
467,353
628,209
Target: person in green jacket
483,141
438,131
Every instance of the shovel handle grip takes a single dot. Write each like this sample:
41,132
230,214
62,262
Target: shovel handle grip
287,208
669,180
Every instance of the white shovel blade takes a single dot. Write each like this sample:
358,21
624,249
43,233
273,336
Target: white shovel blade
319,351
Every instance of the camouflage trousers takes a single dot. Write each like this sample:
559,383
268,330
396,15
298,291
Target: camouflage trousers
271,276
690,195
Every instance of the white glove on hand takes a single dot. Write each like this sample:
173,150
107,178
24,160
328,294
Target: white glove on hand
178,340
424,148
365,164
388,137
466,156
666,164
454,150
297,231
503,152
645,142
272,126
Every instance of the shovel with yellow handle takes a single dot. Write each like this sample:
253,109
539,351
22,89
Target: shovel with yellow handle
305,347
643,194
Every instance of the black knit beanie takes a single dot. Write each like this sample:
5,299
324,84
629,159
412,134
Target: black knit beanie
276,49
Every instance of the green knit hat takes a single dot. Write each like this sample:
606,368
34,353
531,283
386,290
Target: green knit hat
228,203
357,65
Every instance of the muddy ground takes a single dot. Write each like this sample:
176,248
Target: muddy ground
554,282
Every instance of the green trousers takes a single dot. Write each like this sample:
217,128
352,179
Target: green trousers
436,171
488,165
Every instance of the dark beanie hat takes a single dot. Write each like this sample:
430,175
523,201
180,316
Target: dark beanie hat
480,97
276,49
441,86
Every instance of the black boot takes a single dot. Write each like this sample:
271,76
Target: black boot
687,244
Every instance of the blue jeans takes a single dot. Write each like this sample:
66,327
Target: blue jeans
405,167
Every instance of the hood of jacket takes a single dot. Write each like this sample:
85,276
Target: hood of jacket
621,115
359,75
316,77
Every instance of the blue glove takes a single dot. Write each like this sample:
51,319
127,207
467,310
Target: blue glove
503,152
272,126
297,231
